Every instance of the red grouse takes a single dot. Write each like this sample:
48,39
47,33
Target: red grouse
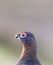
29,50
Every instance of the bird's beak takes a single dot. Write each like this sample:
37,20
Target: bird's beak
17,36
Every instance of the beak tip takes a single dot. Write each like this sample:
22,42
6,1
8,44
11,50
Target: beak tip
16,36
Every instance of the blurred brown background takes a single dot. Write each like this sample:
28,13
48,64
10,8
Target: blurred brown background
35,16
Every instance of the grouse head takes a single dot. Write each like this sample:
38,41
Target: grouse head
26,37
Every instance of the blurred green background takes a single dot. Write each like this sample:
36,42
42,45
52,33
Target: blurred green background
26,15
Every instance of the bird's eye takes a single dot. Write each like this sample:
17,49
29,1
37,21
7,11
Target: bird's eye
23,35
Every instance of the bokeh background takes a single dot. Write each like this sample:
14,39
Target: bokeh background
35,16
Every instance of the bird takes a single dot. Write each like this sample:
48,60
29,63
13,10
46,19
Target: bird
29,49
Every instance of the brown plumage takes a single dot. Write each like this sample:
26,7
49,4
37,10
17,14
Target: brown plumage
29,50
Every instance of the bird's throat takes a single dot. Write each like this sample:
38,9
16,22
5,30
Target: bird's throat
29,52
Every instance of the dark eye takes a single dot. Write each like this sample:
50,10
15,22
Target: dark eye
23,35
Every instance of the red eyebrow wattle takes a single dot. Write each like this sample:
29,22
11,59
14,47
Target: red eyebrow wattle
23,33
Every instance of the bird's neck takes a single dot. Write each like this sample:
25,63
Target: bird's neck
29,52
